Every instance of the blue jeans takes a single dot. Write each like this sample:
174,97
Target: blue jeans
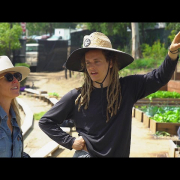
81,154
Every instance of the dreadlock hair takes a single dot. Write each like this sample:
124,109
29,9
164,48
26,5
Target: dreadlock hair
113,90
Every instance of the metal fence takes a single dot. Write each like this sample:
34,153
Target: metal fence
51,55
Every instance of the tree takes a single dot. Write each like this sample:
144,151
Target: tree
110,29
39,28
9,38
120,29
117,32
143,26
135,41
174,27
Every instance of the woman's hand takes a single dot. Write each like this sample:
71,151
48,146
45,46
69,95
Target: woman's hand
175,45
79,143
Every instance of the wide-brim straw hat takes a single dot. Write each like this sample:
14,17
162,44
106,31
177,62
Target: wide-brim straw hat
7,66
96,40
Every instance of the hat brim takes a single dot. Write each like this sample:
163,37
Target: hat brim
22,69
74,61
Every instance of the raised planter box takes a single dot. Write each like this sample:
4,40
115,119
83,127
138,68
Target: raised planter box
158,101
174,150
171,128
133,112
146,120
163,88
174,85
139,115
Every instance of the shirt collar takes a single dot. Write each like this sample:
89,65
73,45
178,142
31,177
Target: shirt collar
13,115
2,113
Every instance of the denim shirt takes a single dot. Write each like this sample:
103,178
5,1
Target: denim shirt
9,147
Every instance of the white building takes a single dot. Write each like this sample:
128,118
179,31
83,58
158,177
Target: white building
64,33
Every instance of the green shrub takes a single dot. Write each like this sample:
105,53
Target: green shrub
171,36
156,52
22,64
142,63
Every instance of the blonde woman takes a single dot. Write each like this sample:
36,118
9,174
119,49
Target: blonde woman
102,107
11,139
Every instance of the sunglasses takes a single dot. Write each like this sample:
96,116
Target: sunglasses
9,77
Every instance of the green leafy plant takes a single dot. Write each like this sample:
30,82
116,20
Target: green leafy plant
157,51
171,36
9,37
172,116
163,113
163,94
162,133
53,94
37,116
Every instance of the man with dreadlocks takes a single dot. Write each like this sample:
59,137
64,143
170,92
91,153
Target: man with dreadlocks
102,108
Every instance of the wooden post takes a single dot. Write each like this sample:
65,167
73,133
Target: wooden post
65,73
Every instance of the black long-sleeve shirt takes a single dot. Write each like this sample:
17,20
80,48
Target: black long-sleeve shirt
111,139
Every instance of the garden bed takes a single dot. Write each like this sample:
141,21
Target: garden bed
139,115
158,101
174,148
174,85
170,128
158,118
160,98
133,112
146,120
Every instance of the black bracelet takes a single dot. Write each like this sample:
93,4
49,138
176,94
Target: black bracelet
173,52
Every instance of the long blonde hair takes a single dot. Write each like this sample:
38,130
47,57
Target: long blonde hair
15,107
113,90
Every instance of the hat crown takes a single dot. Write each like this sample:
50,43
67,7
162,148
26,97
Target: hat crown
5,63
96,39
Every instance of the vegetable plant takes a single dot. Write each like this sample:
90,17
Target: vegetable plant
162,133
163,94
162,113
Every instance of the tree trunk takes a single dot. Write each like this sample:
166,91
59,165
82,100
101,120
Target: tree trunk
50,29
135,41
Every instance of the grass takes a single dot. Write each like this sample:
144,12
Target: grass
54,94
37,116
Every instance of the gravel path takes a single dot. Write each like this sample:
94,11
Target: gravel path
35,138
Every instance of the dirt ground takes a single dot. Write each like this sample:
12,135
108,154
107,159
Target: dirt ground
143,143
54,81
50,82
